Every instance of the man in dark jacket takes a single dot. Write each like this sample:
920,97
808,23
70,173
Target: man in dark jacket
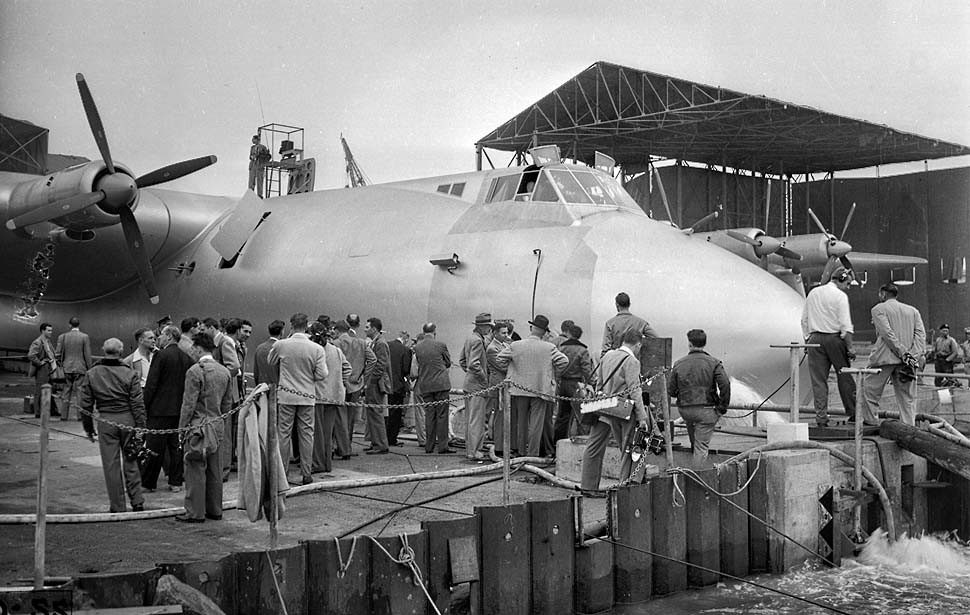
163,404
579,369
400,368
375,393
432,361
116,390
703,392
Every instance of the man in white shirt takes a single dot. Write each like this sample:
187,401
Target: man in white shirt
826,321
141,359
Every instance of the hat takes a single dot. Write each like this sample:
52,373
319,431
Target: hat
842,274
164,319
540,321
944,326
484,319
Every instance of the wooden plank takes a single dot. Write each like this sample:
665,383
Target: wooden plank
328,591
506,584
594,577
703,533
395,589
553,533
669,531
257,581
942,452
440,578
758,506
734,523
215,579
631,526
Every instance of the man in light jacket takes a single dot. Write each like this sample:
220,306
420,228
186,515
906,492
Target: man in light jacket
474,361
326,414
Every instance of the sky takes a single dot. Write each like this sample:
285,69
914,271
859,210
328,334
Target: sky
413,85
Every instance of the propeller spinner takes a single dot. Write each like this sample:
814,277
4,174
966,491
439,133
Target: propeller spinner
836,247
115,193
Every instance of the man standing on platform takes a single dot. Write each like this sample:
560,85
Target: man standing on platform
163,403
400,356
578,370
327,414
431,363
301,364
115,388
362,362
826,321
74,352
534,364
377,389
258,157
703,392
43,362
474,362
621,323
900,342
500,341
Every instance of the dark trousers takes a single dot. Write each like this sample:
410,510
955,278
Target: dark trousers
832,353
942,366
162,444
351,413
395,417
121,474
499,429
534,413
569,414
436,421
203,486
42,377
324,428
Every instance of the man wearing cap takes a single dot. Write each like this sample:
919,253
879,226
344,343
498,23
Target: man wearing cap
946,352
826,321
258,157
533,366
474,361
900,339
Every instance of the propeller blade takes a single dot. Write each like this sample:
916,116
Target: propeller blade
818,223
789,254
663,194
139,254
830,266
743,238
848,219
704,220
845,262
174,171
55,209
94,120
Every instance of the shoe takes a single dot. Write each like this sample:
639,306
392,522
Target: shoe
447,451
307,480
344,457
148,489
55,414
376,451
175,488
368,449
397,443
822,424
91,435
593,493
137,507
185,519
213,517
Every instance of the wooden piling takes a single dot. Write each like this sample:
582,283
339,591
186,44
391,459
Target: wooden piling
631,517
734,523
703,530
669,532
40,531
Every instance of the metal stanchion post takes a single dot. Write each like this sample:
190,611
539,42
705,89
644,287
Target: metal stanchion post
40,532
858,374
505,402
794,349
272,448
668,427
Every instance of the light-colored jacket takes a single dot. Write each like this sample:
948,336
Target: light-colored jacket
362,360
74,351
899,329
302,364
206,396
338,368
474,361
628,374
535,364
617,326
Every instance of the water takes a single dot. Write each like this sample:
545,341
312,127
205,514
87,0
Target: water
925,575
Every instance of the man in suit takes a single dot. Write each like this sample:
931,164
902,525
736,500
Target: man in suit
535,364
325,427
579,370
400,356
619,369
900,338
378,388
74,352
474,361
431,363
301,365
499,341
362,362
116,390
262,370
43,362
163,403
238,331
225,352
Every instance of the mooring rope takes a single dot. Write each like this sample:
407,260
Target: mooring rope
276,583
406,558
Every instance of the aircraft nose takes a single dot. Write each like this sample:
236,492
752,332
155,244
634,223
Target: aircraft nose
838,248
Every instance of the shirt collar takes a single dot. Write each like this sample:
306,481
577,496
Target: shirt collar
628,351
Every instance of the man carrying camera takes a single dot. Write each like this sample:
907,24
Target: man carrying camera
703,392
900,339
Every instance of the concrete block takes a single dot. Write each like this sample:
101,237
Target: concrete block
793,481
787,432
569,461
594,577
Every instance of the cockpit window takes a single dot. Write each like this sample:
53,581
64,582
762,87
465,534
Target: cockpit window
570,189
593,188
544,190
503,188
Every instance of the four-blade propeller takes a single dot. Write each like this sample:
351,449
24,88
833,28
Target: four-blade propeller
115,193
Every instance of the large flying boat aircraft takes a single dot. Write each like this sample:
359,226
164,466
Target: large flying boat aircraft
557,239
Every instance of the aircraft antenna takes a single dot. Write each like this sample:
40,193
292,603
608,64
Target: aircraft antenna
259,99
355,177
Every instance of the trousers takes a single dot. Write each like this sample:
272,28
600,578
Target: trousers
324,429
375,417
121,474
395,417
302,416
436,421
832,352
475,409
532,415
700,428
599,438
872,388
350,416
203,486
166,447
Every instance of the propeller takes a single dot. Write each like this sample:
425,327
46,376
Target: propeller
711,216
836,248
115,192
765,245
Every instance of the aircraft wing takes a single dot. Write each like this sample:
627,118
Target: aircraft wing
872,260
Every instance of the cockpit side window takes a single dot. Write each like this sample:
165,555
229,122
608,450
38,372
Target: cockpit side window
593,188
503,188
571,191
544,190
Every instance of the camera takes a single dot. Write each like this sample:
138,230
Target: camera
138,450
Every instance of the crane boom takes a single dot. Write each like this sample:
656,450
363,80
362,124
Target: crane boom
355,177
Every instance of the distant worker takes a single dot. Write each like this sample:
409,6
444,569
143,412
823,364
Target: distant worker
946,352
703,392
43,364
74,352
618,371
430,367
535,365
621,323
900,342
258,157
115,389
563,333
474,362
826,321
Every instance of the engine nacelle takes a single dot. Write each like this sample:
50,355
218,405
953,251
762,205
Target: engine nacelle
61,185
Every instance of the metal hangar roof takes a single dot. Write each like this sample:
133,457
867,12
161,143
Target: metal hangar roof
631,114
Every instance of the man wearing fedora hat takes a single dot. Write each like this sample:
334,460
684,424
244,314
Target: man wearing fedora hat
534,366
474,361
